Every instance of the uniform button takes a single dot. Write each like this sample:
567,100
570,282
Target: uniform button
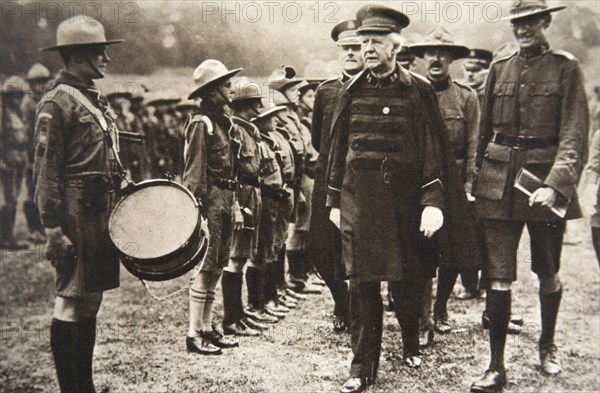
386,110
522,85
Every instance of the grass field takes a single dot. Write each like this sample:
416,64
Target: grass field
141,341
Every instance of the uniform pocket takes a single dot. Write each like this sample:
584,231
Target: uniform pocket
455,122
493,175
504,102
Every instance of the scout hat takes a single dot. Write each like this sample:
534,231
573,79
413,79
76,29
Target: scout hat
282,78
114,96
78,31
379,19
208,74
280,99
268,109
186,105
245,89
479,57
440,38
525,8
307,85
344,33
14,85
38,72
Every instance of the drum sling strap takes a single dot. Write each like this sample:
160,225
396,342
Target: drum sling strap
111,133
109,130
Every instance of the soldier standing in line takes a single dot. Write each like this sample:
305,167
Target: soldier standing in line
385,186
210,175
534,117
460,110
37,77
13,158
76,167
325,243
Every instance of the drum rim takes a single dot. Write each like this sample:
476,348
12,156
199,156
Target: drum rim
145,184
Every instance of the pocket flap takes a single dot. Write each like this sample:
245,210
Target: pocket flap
542,89
504,89
540,156
497,152
453,114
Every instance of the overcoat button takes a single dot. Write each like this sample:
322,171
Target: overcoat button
386,110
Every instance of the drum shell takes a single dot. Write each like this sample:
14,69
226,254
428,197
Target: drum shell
171,265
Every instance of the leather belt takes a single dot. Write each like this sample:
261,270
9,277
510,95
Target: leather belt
523,142
250,181
220,182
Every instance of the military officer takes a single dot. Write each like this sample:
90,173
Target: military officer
37,78
460,111
534,117
475,67
246,104
13,158
210,175
385,186
76,156
325,242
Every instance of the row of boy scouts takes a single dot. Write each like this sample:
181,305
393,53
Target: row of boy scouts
376,175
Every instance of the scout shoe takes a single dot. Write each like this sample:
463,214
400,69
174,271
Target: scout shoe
491,382
549,359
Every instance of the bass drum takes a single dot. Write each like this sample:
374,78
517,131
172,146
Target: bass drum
159,230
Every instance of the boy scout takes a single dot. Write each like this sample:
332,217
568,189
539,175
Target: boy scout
534,116
210,175
75,166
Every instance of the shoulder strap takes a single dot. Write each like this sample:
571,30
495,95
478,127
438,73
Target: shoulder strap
77,95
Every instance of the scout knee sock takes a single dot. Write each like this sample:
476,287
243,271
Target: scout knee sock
232,297
33,216
550,303
207,315
255,278
63,342
498,309
197,300
86,340
270,287
280,269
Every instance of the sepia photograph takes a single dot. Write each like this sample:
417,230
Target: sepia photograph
299,196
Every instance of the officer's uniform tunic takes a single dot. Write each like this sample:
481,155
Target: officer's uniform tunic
534,116
74,169
209,175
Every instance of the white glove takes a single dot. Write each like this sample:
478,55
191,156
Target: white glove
470,197
432,220
335,217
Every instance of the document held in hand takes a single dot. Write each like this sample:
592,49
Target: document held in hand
527,183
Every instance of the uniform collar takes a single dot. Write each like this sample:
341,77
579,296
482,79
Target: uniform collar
441,85
385,81
65,77
534,52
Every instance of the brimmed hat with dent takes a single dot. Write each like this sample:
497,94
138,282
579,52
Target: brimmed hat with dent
442,39
307,85
208,74
379,19
269,109
38,72
14,85
245,89
526,8
283,78
80,31
344,33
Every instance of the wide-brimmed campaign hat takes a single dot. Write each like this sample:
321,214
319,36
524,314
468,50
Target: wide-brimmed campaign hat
80,31
344,33
269,109
379,19
307,85
38,72
442,39
209,73
526,8
246,89
14,85
283,78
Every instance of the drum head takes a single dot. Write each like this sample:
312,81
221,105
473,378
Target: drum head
153,221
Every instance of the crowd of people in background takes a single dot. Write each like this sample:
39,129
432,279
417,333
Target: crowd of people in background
288,213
